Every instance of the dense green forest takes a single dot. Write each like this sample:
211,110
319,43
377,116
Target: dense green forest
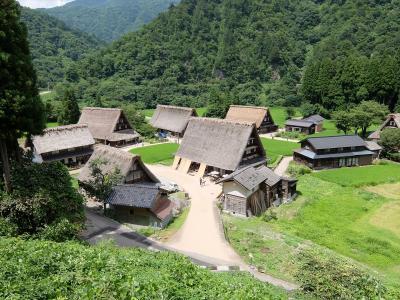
109,19
54,46
332,53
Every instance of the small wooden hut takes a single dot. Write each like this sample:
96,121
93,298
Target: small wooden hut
261,116
109,126
172,120
218,145
71,145
253,189
392,121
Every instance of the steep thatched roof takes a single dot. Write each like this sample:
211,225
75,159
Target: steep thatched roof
376,135
252,114
172,118
115,159
217,143
62,138
102,122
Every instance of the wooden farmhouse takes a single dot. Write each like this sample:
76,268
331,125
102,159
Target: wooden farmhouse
109,126
172,120
309,125
218,145
392,121
71,145
334,152
138,198
261,116
253,189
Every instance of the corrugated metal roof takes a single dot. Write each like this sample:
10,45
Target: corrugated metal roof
316,119
299,123
312,155
340,141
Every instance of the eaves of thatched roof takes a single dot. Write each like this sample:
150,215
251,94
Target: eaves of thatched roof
253,114
62,138
172,118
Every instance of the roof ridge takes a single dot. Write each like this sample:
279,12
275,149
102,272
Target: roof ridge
102,108
223,121
250,106
329,136
176,107
65,127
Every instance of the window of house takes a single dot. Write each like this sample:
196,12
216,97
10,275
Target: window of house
131,212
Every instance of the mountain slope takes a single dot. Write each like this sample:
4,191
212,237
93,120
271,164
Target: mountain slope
109,19
246,47
53,45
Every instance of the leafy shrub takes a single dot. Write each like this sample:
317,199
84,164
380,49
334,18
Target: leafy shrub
60,231
291,135
48,270
269,215
296,169
336,278
7,228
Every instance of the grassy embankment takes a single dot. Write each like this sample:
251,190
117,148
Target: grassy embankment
157,154
336,209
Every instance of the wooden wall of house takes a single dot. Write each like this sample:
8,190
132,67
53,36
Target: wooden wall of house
235,204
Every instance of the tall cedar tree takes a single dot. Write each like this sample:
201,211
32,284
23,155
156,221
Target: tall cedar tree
21,110
70,110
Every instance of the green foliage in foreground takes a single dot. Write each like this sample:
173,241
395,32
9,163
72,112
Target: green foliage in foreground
360,176
157,154
295,169
47,270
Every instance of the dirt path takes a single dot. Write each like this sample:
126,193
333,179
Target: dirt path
202,232
283,165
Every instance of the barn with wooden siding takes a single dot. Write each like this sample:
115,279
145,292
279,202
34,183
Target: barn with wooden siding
71,145
109,126
172,120
392,121
253,189
334,152
261,116
138,198
218,145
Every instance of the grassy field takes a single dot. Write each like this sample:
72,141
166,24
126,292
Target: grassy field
277,148
368,175
358,222
157,154
279,115
51,124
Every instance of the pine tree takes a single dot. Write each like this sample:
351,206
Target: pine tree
70,110
21,110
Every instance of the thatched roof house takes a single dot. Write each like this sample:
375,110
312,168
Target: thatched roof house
109,126
172,119
219,145
71,144
392,121
261,116
253,189
130,166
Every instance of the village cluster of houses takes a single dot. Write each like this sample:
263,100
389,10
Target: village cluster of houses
230,148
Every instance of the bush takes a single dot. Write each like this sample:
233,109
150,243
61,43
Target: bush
294,135
296,169
336,278
60,231
7,228
269,215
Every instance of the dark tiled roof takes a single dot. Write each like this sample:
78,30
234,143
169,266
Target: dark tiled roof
299,123
340,141
143,195
315,119
312,155
251,176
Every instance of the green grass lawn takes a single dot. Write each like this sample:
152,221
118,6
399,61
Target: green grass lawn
360,176
277,148
48,96
331,211
51,124
157,154
279,115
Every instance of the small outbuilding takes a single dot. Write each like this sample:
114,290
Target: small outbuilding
172,120
392,121
309,125
214,145
71,145
253,189
317,120
334,152
261,116
138,198
109,126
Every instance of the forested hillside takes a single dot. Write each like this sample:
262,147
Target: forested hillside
109,19
54,46
254,52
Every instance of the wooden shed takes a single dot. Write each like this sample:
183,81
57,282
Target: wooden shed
334,152
261,116
172,120
71,145
251,190
218,145
109,126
